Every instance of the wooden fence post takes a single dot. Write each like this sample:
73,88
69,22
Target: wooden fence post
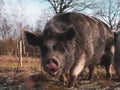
21,53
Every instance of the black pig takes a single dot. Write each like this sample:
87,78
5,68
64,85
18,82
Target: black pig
117,53
70,42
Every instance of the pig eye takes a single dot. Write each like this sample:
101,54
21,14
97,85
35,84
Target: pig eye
54,47
59,47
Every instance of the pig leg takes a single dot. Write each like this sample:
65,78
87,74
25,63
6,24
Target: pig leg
117,65
107,62
108,72
91,71
75,71
117,60
117,72
63,79
66,72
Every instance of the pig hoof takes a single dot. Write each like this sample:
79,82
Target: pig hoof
72,88
108,78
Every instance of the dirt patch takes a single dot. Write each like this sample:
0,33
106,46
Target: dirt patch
32,77
41,81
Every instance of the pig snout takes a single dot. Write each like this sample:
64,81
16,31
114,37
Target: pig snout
52,66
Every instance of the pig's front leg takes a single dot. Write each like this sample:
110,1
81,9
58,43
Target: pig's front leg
75,71
63,79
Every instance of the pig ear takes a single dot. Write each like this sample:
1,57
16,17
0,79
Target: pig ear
68,35
32,39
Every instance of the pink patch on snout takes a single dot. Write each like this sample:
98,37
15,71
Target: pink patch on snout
52,66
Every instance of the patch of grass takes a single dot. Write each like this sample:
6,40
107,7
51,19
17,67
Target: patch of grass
13,62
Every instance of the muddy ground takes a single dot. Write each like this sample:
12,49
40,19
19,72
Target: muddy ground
33,77
28,79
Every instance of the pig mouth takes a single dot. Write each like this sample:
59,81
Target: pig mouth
53,68
54,72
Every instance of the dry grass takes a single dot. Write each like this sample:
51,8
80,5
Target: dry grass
10,66
32,72
13,62
10,63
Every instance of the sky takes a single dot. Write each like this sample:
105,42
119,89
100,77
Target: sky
29,10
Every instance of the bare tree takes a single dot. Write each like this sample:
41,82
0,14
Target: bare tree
118,25
109,11
62,6
1,7
4,29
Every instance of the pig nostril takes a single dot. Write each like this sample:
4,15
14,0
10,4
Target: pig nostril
51,60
